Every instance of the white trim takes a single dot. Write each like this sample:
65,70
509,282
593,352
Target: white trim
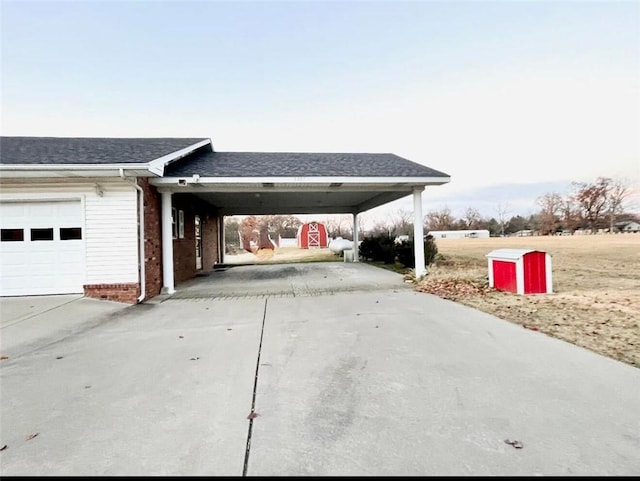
157,165
167,244
549,277
356,240
303,180
490,267
180,224
48,167
418,233
174,222
519,275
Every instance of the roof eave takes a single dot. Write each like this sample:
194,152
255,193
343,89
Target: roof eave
309,180
72,170
158,165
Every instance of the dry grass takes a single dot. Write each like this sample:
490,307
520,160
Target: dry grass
596,284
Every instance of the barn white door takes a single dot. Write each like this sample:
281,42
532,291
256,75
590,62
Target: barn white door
313,235
41,248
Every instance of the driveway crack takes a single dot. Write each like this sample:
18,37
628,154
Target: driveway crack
253,400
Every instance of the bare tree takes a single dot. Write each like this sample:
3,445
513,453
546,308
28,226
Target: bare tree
571,217
439,219
502,210
339,225
551,208
381,227
616,195
472,218
282,225
592,200
401,223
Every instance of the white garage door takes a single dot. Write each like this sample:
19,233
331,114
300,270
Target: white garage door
42,248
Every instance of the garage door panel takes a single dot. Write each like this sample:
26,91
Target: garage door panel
50,266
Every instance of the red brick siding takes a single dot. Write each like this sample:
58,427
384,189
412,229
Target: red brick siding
128,293
152,238
184,250
209,242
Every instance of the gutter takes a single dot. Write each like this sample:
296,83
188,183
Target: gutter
143,281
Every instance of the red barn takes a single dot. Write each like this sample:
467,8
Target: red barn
312,234
523,271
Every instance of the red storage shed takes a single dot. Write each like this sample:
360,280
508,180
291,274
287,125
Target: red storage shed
523,271
312,234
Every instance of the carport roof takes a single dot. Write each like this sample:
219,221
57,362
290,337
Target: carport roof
295,182
297,164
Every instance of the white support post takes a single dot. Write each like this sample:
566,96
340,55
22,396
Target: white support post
418,232
167,245
356,251
222,236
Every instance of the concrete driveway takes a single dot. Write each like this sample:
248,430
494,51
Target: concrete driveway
354,381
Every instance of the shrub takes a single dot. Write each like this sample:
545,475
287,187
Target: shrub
406,256
378,248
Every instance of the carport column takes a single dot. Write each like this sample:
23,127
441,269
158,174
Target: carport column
222,235
167,245
356,251
418,232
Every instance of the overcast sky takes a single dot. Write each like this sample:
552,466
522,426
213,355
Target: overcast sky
495,94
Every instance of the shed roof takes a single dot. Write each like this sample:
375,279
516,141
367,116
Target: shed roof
512,254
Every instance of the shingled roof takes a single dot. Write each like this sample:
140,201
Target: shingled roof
86,150
290,164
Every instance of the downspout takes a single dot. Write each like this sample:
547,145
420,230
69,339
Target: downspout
143,280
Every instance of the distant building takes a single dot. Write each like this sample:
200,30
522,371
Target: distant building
523,233
460,234
628,226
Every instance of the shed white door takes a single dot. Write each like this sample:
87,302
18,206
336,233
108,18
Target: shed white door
42,248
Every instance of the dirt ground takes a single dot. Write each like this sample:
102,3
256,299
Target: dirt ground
596,288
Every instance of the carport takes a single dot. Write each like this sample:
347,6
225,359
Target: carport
259,183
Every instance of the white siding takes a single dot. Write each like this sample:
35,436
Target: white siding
112,236
110,226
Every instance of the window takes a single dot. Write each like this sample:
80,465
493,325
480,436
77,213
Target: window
12,235
174,222
70,233
181,224
177,223
42,234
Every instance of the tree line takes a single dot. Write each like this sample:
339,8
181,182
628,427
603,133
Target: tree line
590,205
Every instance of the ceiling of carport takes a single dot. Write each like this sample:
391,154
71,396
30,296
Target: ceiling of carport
258,199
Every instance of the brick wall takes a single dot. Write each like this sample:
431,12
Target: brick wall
210,242
184,250
128,293
152,239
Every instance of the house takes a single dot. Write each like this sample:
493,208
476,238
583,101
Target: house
628,226
127,218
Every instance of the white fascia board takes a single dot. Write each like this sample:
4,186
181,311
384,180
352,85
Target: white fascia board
111,170
157,166
50,167
417,181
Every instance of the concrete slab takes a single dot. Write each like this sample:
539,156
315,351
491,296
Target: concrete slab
133,397
15,309
31,322
384,381
290,280
409,384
